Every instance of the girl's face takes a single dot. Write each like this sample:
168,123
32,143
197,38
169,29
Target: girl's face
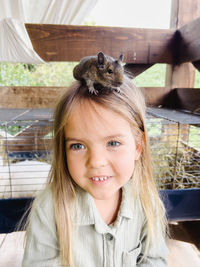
101,150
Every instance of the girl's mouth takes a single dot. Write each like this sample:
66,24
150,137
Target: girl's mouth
100,178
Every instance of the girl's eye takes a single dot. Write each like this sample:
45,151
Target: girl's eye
76,146
114,143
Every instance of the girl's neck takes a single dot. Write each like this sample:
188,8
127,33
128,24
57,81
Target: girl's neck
108,208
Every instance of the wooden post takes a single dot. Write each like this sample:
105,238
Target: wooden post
182,12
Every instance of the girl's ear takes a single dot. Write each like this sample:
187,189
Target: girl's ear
139,145
138,151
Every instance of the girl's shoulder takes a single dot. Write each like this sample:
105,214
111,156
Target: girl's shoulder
131,200
44,199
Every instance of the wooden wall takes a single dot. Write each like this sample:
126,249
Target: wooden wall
142,48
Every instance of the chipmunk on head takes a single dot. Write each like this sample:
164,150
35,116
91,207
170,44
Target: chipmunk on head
100,70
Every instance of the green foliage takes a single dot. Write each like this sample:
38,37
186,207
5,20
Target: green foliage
194,137
30,67
53,74
154,76
197,79
11,130
89,22
154,127
14,75
60,74
49,74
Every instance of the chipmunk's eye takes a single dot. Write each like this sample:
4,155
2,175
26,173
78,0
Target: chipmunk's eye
110,71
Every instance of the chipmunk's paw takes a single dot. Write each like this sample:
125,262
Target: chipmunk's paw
92,90
117,89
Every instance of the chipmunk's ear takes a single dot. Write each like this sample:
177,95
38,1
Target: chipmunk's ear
101,59
121,57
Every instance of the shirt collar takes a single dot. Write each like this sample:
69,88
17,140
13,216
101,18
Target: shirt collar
86,212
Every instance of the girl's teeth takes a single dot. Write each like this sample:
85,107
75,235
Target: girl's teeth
99,178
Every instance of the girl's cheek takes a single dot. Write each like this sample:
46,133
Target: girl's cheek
76,157
118,158
71,158
125,158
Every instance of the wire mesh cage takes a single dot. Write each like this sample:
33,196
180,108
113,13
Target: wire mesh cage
25,146
175,148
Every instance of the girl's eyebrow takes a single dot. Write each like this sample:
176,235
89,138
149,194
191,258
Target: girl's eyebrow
70,139
115,136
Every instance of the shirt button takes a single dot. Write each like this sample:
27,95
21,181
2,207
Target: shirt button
109,237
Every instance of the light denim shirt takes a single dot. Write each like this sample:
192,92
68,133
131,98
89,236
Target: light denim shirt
96,244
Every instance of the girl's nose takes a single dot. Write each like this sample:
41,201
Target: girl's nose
96,158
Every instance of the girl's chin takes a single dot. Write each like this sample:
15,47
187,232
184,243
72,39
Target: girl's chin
105,196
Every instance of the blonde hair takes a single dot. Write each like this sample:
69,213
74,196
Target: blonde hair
129,104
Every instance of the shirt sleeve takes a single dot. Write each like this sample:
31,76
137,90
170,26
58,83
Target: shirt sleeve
158,251
41,244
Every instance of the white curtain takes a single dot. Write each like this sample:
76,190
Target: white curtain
15,45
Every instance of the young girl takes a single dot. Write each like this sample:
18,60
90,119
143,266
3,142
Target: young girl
101,206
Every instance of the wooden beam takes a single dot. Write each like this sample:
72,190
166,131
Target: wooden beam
182,12
30,139
156,96
190,42
24,144
179,98
178,76
36,130
71,43
46,97
29,97
183,98
133,70
188,99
